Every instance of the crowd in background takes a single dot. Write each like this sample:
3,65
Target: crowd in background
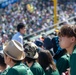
36,15
45,55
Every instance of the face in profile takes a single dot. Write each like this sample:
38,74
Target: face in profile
66,42
66,37
23,30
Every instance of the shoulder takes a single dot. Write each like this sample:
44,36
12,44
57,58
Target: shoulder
5,72
74,51
65,57
51,72
29,72
12,71
15,35
73,55
17,70
36,68
36,65
20,36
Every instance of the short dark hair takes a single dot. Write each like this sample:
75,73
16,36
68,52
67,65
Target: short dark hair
67,30
16,61
20,26
29,60
2,62
45,60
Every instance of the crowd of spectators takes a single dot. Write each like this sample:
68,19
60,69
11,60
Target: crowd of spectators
35,14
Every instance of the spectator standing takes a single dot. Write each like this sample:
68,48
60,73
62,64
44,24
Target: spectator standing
19,35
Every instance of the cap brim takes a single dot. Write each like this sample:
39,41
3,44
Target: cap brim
21,58
36,56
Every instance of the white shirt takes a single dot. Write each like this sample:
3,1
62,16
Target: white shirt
18,37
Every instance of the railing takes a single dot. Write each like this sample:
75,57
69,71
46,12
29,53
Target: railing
47,30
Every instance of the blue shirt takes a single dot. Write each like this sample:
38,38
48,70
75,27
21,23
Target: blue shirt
18,37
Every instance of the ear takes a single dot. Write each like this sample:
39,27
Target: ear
73,39
9,58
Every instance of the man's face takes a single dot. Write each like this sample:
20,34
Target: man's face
65,42
23,30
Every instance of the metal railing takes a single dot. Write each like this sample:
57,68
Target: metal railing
49,29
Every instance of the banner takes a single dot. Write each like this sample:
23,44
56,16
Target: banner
5,3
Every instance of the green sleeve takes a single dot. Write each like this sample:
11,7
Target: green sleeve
12,72
62,65
73,64
38,71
